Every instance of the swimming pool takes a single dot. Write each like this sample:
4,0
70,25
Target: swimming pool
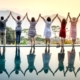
14,62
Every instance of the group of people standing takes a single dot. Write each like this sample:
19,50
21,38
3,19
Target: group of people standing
47,30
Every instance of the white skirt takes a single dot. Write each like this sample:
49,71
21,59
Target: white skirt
47,33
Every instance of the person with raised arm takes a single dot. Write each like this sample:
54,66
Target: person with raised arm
31,59
47,30
18,28
2,62
71,59
32,29
73,30
17,62
62,32
46,59
3,28
61,61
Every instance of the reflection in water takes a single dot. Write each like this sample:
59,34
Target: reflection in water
60,59
71,59
79,67
46,58
17,62
31,58
2,62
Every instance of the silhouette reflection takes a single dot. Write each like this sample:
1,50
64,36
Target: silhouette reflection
46,58
2,62
71,59
17,62
61,60
31,59
79,67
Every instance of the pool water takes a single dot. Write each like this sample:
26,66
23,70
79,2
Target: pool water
17,63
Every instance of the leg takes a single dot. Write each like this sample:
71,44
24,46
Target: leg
16,37
0,37
19,36
31,41
48,45
34,43
4,38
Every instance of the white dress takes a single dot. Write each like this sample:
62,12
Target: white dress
18,27
47,30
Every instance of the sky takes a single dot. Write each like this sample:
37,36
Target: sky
43,6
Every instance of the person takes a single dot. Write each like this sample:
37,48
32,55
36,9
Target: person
18,27
3,28
46,59
71,59
73,34
47,30
17,62
32,30
61,60
31,58
2,62
62,32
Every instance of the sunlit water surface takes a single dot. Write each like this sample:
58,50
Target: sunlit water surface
38,64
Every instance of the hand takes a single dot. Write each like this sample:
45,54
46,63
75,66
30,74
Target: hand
37,73
10,12
26,14
68,13
56,14
39,15
79,14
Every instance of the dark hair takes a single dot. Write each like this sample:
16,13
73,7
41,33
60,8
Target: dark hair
70,69
18,17
48,19
61,68
1,72
31,70
16,72
2,18
64,21
46,71
32,19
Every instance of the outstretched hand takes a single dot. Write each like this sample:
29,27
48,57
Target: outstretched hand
68,13
56,14
39,15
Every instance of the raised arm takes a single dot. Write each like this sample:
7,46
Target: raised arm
38,18
22,71
26,71
24,16
43,18
59,18
13,17
12,72
28,18
69,16
56,70
51,71
78,17
74,73
54,17
40,70
36,71
6,72
8,16
77,71
65,72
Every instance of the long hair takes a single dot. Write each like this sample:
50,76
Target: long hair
32,19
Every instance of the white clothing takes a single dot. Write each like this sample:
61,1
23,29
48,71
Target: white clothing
47,30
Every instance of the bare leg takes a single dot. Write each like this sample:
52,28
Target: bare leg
34,43
48,45
31,41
